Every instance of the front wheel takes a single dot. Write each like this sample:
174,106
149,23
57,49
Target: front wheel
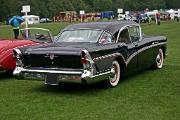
159,60
114,79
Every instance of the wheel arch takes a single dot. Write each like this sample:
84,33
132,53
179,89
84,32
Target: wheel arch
122,64
164,50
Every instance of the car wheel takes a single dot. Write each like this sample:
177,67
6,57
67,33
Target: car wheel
114,79
159,59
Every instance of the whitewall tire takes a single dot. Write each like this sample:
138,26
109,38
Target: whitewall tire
114,79
159,59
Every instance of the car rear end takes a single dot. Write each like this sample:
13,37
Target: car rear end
54,66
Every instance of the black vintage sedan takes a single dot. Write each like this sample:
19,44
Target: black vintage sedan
92,52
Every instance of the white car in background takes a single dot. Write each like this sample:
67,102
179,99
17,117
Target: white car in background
45,20
121,17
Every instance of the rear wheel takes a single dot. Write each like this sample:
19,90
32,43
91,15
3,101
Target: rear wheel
114,79
159,59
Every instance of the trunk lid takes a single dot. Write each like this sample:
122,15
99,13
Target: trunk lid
64,55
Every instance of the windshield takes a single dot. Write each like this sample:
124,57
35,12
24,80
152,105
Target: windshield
36,34
79,36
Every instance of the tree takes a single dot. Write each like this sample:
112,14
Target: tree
49,8
102,5
79,5
172,3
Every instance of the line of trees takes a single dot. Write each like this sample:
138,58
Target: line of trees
49,8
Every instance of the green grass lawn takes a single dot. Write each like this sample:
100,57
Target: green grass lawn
150,95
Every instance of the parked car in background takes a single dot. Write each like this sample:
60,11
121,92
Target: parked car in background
140,18
31,19
121,17
45,20
35,36
176,17
92,52
144,18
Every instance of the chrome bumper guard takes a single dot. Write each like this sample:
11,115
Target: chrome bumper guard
83,76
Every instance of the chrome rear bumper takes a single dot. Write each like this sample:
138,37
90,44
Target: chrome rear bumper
73,76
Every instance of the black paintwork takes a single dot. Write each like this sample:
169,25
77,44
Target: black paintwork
133,57
105,26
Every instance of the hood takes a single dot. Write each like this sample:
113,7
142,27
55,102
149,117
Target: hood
7,44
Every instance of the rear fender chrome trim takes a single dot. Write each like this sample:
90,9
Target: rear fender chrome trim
109,56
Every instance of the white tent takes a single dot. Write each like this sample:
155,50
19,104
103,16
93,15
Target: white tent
32,19
172,13
149,13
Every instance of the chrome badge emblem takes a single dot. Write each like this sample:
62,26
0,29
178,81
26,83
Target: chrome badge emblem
50,56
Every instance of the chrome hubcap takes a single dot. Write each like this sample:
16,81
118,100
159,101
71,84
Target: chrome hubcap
114,71
158,59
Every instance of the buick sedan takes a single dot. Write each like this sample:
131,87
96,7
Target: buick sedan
92,52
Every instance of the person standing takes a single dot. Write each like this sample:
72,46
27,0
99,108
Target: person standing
15,22
158,19
16,31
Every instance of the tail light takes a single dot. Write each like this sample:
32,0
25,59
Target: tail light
85,60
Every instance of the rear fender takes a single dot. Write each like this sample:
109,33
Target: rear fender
122,64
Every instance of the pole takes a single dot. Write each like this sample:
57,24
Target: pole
81,18
26,24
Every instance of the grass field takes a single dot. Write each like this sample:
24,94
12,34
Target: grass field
150,95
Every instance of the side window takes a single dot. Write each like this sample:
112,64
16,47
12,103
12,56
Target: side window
106,38
124,36
134,33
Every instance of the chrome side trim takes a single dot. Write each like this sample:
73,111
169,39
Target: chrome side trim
98,78
94,76
109,56
141,50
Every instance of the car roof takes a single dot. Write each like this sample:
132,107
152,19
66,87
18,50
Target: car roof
111,27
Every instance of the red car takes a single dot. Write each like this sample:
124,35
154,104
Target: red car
31,36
